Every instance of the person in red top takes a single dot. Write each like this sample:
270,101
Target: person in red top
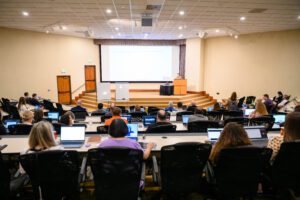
116,114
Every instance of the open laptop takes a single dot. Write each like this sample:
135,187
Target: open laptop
9,122
148,120
80,116
72,136
53,116
185,119
279,119
132,131
127,117
248,111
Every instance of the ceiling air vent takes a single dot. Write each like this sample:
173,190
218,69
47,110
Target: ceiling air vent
257,10
153,7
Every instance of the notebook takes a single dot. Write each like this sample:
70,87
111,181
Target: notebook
132,131
72,136
148,120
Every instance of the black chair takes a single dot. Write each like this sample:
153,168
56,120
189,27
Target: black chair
240,120
230,114
49,105
97,114
214,115
181,168
80,115
19,129
4,180
241,101
267,121
137,116
250,99
123,108
57,127
163,128
14,113
102,129
179,114
238,171
202,125
285,169
117,172
5,104
103,118
80,124
53,174
60,109
152,109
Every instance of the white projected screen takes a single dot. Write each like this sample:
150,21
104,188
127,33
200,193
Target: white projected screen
139,63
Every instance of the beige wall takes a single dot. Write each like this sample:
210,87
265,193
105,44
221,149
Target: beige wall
253,64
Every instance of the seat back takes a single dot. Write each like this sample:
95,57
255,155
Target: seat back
285,169
59,108
80,115
202,125
267,121
179,114
4,180
6,105
48,105
14,113
137,116
241,101
230,114
163,128
97,114
181,167
240,120
57,127
152,109
214,115
117,172
56,173
250,99
103,118
238,170
19,129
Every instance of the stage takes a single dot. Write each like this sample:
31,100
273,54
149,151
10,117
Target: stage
149,98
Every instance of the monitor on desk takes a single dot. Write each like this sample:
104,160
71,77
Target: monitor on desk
148,120
132,131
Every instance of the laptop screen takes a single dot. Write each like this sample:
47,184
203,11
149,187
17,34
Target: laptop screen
53,115
148,120
214,133
279,118
253,133
9,122
127,117
132,131
72,133
185,119
248,111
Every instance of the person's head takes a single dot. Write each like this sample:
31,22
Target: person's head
38,115
112,105
216,107
193,103
34,95
179,105
116,111
137,108
22,101
233,96
279,93
287,97
79,102
100,106
170,104
67,118
161,116
118,128
266,96
41,136
27,117
26,94
297,108
292,127
260,107
233,135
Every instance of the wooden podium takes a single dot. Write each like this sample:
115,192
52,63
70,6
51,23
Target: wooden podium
180,86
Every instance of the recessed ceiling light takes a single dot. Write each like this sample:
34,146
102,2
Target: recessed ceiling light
63,27
108,11
47,31
299,17
112,37
180,36
25,13
243,18
217,30
119,34
146,35
116,28
181,12
180,27
236,36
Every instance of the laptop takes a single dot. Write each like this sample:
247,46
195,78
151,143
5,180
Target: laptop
9,122
132,131
185,119
248,111
72,136
53,116
279,119
148,120
127,117
80,116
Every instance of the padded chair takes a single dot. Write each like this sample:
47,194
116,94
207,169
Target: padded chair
267,121
57,127
4,180
102,129
103,118
164,128
79,124
202,125
19,129
137,116
179,114
285,169
214,115
53,174
5,104
230,114
14,113
152,109
241,101
250,100
181,168
97,114
60,109
49,105
117,172
237,171
123,108
240,120
80,115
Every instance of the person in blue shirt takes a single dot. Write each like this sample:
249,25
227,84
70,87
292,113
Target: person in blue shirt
170,107
79,107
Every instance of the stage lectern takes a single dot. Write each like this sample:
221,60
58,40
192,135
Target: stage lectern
180,86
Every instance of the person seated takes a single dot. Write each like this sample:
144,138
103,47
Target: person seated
100,109
192,107
22,106
198,116
284,101
260,109
231,103
161,119
27,97
138,108
116,114
170,107
67,119
216,107
79,107
277,99
268,102
233,135
38,115
2,127
27,117
34,100
180,106
111,107
117,132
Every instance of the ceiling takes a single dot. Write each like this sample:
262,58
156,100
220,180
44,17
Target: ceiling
89,18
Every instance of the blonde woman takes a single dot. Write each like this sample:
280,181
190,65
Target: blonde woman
22,106
260,109
27,117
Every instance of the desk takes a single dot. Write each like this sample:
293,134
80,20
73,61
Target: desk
166,89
